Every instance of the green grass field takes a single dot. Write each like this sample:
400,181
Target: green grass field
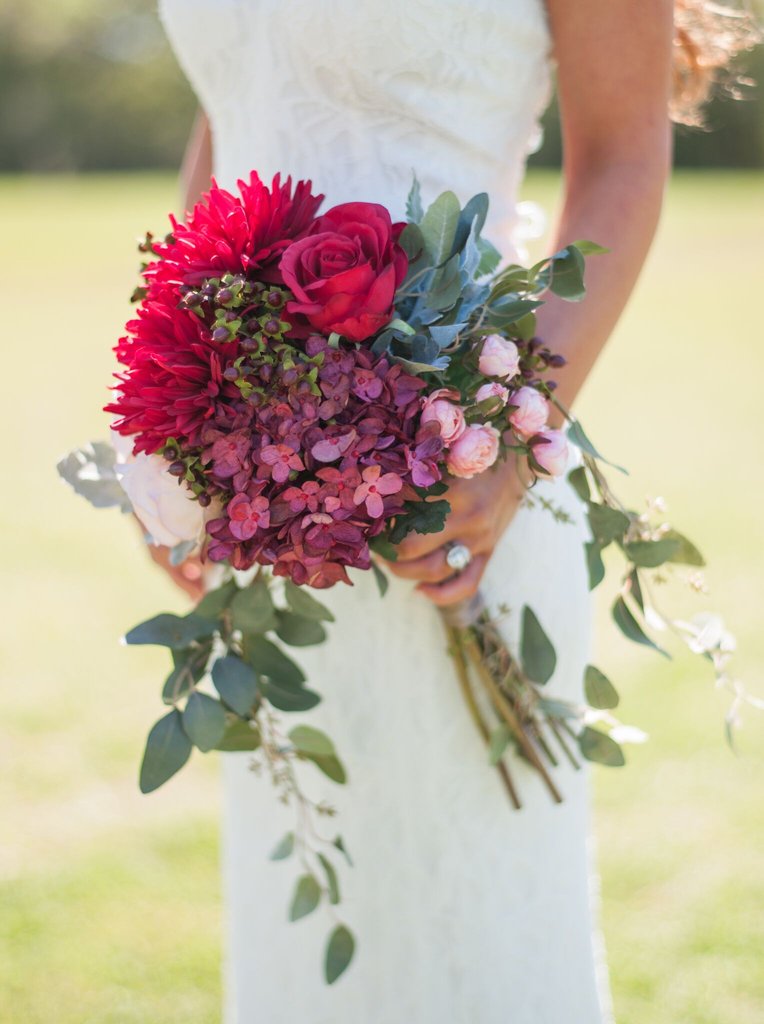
110,901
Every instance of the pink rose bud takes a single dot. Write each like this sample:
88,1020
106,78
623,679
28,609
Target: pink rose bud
498,357
449,417
531,413
474,451
550,450
492,390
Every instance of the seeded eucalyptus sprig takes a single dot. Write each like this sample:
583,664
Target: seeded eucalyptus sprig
230,680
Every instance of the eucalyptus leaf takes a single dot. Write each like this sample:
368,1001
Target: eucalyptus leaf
630,628
204,720
635,589
400,327
339,953
470,259
537,653
190,665
600,692
525,327
239,735
298,630
302,603
446,335
649,554
284,847
412,241
686,552
414,210
90,471
236,683
331,879
306,897
382,546
167,630
439,364
594,564
577,437
490,257
568,275
309,740
471,220
425,350
340,845
331,766
252,608
579,482
215,602
607,524
381,579
287,698
446,286
167,750
590,248
598,746
438,226
267,659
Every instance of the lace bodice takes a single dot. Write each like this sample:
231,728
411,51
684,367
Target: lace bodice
356,94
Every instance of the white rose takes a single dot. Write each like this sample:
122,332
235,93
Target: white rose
166,508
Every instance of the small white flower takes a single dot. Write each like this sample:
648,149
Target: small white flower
628,734
705,633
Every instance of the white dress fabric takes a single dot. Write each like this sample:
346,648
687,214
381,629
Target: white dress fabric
465,910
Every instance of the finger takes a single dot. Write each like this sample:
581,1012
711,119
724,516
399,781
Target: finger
429,568
459,587
193,587
434,567
462,528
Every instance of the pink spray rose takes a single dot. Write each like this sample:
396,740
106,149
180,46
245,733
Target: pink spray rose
551,451
498,357
450,417
473,451
531,413
492,390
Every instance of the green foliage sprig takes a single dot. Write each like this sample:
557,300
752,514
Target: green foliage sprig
230,679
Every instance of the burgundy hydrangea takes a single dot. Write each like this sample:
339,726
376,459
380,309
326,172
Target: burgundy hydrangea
313,467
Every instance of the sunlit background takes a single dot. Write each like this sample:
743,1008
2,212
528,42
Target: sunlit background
110,905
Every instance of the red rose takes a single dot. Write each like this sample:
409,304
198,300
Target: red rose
345,272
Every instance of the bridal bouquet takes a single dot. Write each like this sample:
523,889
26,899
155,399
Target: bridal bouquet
298,388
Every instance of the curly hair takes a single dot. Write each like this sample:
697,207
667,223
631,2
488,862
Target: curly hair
708,37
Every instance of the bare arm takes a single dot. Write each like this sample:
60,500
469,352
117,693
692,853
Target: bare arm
195,173
614,73
196,168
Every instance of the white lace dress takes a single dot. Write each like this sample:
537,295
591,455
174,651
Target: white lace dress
465,911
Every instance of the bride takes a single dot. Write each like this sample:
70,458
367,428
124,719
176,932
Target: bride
466,912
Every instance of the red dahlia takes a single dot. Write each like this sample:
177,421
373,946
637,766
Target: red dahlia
228,233
174,377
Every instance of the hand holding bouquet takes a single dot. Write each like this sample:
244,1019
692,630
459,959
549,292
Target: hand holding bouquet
298,390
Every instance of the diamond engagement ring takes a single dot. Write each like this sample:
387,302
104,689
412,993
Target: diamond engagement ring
458,556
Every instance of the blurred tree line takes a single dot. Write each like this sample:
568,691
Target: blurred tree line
88,85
